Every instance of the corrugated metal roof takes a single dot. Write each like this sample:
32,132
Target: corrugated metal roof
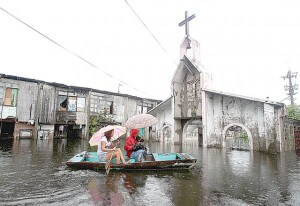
73,87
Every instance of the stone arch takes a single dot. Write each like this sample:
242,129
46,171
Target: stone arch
167,133
243,127
191,132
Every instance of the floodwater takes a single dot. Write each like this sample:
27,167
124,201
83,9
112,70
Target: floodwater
33,172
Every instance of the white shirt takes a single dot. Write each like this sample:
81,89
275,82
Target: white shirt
107,144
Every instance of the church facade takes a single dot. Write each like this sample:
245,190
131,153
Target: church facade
195,114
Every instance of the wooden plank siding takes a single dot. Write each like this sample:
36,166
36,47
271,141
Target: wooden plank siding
48,104
27,96
43,104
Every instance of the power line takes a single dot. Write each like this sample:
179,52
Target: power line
285,98
151,33
73,53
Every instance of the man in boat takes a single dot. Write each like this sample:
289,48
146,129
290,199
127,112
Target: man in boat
134,148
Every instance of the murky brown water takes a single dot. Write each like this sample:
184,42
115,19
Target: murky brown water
32,172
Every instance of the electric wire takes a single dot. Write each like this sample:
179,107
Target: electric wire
151,33
71,52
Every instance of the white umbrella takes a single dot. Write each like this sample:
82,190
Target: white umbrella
140,121
118,131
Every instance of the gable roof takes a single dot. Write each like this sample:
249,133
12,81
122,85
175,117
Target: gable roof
161,105
185,65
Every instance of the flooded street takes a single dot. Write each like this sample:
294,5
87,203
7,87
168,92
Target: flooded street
33,172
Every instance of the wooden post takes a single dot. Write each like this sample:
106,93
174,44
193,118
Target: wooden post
37,112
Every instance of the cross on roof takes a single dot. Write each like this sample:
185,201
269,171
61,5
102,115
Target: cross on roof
186,22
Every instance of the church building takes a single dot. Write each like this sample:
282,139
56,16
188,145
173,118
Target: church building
195,114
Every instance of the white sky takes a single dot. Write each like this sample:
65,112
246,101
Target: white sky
246,45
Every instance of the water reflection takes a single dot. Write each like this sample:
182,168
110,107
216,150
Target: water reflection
104,190
33,172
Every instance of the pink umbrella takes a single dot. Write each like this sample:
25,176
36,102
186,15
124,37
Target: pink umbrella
140,121
118,131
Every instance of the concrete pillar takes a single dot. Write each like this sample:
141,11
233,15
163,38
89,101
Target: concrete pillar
177,132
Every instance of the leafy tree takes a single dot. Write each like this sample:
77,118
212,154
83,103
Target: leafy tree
294,112
94,124
96,120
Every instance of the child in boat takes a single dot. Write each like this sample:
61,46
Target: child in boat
134,148
106,149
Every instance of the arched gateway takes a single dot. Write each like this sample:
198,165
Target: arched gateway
237,136
192,133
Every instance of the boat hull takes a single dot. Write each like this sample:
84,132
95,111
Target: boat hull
154,161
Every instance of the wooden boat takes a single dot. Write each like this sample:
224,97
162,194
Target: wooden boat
154,161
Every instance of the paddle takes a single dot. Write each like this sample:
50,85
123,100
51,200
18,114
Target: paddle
108,164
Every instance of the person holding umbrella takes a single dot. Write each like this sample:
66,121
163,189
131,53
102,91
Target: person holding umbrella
107,151
133,147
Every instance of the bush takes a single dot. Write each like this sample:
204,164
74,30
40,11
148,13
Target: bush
294,112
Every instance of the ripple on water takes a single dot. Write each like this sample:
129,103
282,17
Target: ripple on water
36,175
48,195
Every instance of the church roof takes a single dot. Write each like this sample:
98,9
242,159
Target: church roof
185,66
161,105
244,97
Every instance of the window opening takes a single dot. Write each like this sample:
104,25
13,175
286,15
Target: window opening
80,104
62,103
111,108
11,97
72,104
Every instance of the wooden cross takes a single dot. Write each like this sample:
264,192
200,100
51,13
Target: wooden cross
186,22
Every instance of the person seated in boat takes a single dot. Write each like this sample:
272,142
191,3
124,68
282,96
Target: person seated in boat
134,148
106,149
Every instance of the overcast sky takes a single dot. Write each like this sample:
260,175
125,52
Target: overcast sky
246,45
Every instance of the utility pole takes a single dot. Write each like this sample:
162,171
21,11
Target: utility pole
291,88
119,87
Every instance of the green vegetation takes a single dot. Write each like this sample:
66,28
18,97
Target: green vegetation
94,124
97,120
294,112
243,136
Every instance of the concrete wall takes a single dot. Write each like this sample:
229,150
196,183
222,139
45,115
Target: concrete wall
287,134
192,53
23,130
187,97
163,130
260,120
